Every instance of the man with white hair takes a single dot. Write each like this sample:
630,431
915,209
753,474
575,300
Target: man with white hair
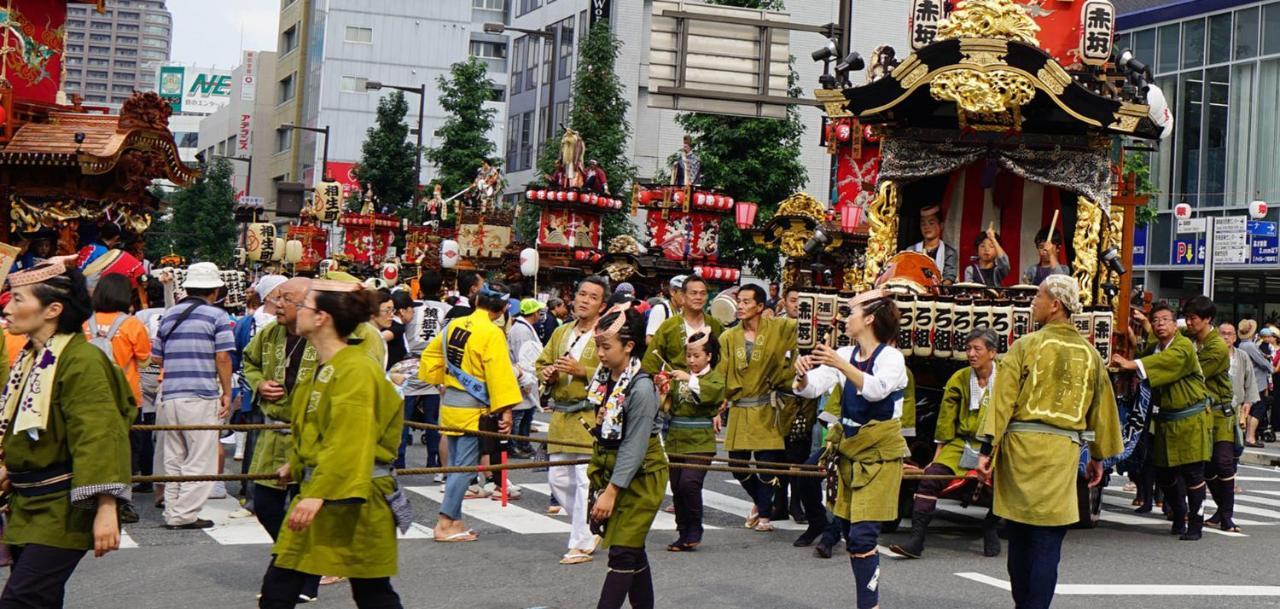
1050,396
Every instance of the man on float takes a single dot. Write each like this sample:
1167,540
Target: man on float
933,246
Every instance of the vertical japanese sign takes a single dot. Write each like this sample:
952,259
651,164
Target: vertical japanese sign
249,80
245,135
1097,29
923,23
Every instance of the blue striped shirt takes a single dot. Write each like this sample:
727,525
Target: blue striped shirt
188,351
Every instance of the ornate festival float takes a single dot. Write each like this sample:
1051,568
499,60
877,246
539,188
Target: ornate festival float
66,168
1006,119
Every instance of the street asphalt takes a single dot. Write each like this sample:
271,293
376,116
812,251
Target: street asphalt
1130,561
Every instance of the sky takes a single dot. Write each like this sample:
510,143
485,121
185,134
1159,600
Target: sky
211,33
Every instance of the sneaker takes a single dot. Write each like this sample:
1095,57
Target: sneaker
198,523
302,598
228,439
438,478
219,490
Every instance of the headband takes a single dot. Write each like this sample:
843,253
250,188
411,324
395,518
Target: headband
619,322
38,274
329,285
701,342
869,296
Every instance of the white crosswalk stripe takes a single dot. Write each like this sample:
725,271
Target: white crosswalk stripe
1253,507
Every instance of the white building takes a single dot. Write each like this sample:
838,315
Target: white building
239,128
655,134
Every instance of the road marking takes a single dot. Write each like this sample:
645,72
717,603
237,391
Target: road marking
1153,520
742,507
126,542
663,521
1136,589
229,531
416,531
512,517
1260,468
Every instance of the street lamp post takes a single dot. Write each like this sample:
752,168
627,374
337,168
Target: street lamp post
548,38
248,180
421,90
324,168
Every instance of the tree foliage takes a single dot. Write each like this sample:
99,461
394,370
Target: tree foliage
599,115
465,134
750,159
1136,163
387,160
202,227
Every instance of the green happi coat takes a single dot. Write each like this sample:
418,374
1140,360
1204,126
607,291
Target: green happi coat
345,419
691,430
668,344
1215,363
1055,377
1177,383
768,369
265,359
636,505
88,429
870,471
569,426
958,424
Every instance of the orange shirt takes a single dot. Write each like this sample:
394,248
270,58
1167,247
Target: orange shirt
13,344
130,347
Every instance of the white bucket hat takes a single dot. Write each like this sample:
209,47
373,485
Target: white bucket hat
203,276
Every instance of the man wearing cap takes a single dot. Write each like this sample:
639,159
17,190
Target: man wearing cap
194,346
665,307
933,246
1050,396
524,347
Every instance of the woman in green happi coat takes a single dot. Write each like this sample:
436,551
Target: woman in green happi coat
628,469
346,429
65,438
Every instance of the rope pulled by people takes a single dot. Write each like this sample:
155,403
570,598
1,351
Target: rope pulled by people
412,471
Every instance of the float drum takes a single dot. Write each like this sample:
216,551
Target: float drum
915,272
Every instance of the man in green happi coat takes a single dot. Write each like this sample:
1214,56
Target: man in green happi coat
1182,425
1224,421
1051,395
666,348
756,359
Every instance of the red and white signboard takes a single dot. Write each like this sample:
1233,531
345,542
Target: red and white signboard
249,80
245,138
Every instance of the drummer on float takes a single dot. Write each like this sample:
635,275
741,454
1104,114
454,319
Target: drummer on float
933,246
1048,241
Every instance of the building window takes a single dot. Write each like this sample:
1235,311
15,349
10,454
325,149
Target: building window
124,75
566,47
531,67
157,30
157,18
353,84
512,143
75,23
75,35
74,61
127,52
100,37
1167,61
547,57
121,89
529,5
1246,38
489,5
120,63
125,27
284,140
96,86
154,54
96,98
75,48
74,73
126,40
362,35
131,16
100,25
1271,28
488,50
285,89
97,74
155,43
289,39
519,47
526,141
98,61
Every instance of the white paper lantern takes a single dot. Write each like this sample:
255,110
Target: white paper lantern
449,254
528,262
1158,110
277,254
391,273
1257,209
292,251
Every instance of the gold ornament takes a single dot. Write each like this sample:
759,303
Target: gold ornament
801,204
1085,242
854,280
791,276
792,237
983,92
989,19
882,237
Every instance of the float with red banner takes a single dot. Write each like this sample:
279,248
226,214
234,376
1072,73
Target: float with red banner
366,237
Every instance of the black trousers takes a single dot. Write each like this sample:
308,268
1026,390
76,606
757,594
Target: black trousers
142,445
281,587
1034,553
686,494
271,504
760,487
38,577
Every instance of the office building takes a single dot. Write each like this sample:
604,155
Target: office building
238,128
110,55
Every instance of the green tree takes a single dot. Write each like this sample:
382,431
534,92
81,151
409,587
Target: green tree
465,134
201,227
1136,162
387,160
750,159
599,115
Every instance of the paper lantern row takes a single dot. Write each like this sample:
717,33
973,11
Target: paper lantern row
573,196
699,200
717,273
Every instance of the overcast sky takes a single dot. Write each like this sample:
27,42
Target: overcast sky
211,33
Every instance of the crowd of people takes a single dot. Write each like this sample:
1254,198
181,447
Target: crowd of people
636,392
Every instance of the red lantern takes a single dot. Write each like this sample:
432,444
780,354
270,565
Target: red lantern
699,199
678,196
529,194
850,217
645,196
1182,211
843,131
745,215
572,196
540,194
697,270
1258,210
728,203
617,203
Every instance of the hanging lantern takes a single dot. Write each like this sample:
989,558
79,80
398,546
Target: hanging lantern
540,195
850,217
260,241
572,196
391,273
240,256
1258,210
700,199
561,195
292,251
727,203
745,214
449,254
1182,211
528,262
277,251
327,201
529,194
844,131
